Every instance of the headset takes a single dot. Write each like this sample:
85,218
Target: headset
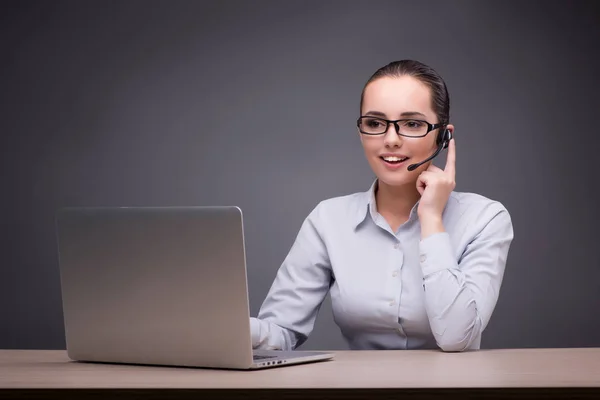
442,140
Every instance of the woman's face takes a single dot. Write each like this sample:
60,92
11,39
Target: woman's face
392,99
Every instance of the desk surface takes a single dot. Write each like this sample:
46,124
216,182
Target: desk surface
510,368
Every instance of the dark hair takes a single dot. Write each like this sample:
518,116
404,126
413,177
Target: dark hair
439,93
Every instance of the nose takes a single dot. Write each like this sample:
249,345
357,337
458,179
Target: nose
391,137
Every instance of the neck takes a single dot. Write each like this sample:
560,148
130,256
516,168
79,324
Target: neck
396,200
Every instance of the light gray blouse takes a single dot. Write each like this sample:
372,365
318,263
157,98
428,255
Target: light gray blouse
390,290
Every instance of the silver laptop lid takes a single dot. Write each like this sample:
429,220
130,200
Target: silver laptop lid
160,285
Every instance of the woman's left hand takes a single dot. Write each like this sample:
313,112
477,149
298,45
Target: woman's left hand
435,186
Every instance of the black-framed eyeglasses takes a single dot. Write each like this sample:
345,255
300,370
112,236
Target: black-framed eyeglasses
405,127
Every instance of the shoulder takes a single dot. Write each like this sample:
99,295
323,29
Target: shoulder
340,208
473,212
465,202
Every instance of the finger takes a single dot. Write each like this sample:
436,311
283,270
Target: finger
421,184
433,168
424,178
427,175
450,168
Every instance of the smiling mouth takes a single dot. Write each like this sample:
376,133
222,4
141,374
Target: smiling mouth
394,160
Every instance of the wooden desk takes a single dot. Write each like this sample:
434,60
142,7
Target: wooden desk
522,373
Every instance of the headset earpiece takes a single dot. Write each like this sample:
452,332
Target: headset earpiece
447,137
444,138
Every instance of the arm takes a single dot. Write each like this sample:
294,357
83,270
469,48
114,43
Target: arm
288,313
461,296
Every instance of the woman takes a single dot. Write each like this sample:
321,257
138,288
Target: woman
410,263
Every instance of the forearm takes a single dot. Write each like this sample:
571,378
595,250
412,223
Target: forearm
450,304
287,315
451,309
461,285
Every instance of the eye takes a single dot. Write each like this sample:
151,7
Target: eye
413,124
374,123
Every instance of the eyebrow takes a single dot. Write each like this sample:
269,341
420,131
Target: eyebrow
404,114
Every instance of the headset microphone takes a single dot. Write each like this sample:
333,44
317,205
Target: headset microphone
443,142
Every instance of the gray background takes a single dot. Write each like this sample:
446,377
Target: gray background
254,103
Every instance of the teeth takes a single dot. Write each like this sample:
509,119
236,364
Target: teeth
393,159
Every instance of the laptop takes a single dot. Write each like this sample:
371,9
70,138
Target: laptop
160,286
